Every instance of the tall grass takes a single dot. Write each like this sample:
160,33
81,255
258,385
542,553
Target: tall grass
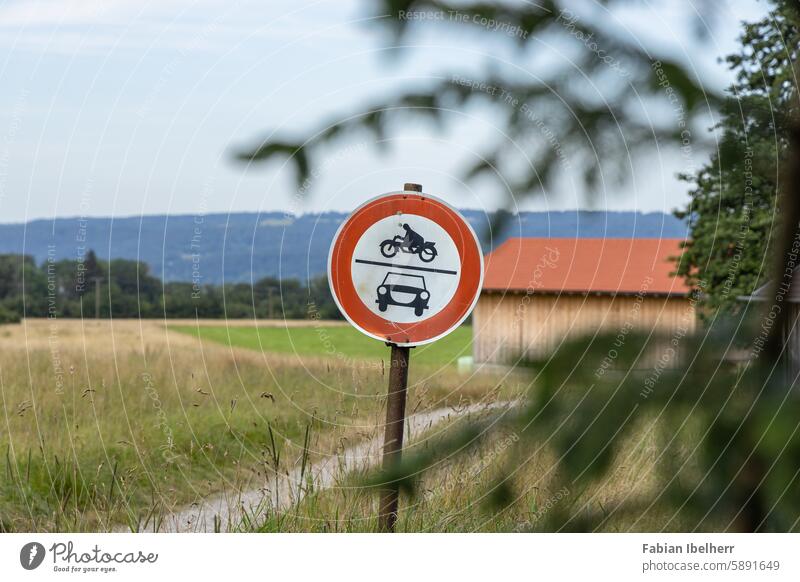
122,422
479,492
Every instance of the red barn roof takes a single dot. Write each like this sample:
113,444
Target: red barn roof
585,265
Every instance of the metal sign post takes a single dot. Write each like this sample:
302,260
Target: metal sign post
395,423
405,268
393,436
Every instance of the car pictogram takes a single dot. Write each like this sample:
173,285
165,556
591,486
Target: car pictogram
404,291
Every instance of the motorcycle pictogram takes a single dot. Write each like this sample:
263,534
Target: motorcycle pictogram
411,242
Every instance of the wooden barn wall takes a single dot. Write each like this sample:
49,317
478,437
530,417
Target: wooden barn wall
510,325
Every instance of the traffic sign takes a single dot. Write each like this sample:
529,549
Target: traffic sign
405,268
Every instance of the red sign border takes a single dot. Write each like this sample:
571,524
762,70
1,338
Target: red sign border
340,260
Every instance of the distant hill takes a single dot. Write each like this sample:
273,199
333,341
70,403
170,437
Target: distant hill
247,246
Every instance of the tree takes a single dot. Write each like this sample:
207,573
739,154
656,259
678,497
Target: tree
11,274
320,300
733,208
127,289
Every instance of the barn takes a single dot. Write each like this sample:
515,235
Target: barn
539,291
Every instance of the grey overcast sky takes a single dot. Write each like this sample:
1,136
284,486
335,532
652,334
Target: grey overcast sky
128,107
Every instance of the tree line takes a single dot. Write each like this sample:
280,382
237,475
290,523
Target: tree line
89,287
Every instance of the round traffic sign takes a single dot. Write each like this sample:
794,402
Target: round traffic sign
405,268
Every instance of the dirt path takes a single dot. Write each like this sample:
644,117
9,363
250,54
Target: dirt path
286,490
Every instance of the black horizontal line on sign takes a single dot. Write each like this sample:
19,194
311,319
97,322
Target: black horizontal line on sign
426,269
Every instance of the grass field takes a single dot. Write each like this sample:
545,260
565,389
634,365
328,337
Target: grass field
342,343
115,424
465,494
112,423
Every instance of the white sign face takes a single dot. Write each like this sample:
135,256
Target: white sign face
406,268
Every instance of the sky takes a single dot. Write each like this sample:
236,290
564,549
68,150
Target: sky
132,107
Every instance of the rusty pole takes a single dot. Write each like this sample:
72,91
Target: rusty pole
395,424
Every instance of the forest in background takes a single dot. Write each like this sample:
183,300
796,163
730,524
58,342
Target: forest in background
89,287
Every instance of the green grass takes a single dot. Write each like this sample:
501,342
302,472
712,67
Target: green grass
134,425
335,342
146,422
